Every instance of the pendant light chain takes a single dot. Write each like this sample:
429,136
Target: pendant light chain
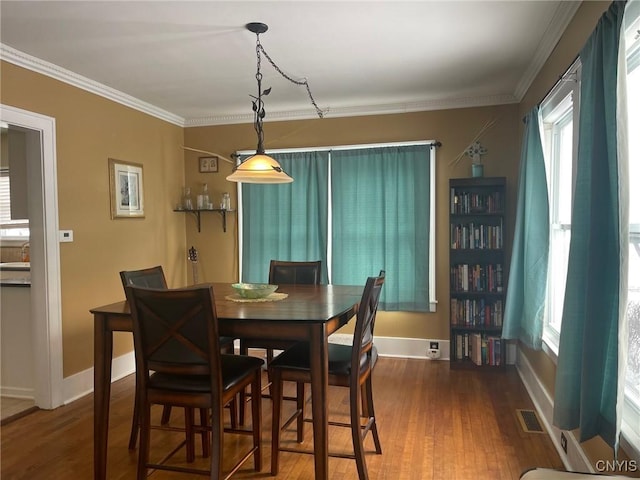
304,82
258,104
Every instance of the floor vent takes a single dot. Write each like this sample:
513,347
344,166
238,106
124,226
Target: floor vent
529,421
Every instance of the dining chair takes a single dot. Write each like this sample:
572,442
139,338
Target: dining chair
179,363
349,366
154,277
282,272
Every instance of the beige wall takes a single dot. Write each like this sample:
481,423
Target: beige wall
89,130
454,128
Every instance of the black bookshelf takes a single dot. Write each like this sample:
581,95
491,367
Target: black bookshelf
477,271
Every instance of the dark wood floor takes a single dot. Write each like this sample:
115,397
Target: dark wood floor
435,424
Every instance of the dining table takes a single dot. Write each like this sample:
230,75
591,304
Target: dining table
308,313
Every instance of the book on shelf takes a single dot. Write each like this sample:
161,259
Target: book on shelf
476,348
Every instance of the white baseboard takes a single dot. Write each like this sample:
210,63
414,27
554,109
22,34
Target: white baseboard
575,459
399,346
18,392
81,384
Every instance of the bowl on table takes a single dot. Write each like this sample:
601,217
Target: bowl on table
254,290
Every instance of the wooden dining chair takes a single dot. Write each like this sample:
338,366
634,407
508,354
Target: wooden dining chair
349,366
179,363
154,277
282,272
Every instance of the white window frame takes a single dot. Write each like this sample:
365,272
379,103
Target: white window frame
630,438
562,103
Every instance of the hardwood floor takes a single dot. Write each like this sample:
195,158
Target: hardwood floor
434,423
12,408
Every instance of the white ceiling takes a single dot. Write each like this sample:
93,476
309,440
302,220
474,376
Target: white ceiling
194,63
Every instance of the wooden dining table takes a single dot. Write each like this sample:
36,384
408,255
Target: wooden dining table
309,313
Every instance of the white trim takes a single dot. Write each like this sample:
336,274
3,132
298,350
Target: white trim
81,384
340,147
358,111
398,346
575,459
18,392
559,22
45,253
43,67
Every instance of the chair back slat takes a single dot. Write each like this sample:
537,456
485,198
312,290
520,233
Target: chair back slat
152,277
295,273
365,320
175,331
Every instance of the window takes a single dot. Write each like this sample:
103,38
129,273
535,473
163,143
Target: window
631,408
560,121
10,229
559,117
358,209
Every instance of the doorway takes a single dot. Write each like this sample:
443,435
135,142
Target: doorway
45,308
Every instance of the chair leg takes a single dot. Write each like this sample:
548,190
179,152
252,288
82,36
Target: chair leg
276,400
145,432
166,415
217,431
233,412
204,434
256,421
190,434
370,412
135,422
244,350
300,401
356,434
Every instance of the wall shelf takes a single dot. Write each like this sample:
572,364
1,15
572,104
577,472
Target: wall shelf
196,213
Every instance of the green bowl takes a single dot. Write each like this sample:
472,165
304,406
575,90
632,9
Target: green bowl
254,290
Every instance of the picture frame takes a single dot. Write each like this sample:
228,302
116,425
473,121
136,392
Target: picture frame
126,188
208,164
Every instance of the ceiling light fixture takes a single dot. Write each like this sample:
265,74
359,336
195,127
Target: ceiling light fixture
261,168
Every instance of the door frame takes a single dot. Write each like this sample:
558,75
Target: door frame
46,304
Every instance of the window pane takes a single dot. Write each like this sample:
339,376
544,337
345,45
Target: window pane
633,308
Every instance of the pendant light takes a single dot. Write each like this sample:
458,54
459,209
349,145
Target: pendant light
261,168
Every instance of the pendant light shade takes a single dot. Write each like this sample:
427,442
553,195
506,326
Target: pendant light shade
259,168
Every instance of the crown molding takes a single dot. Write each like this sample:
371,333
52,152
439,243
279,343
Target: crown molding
358,111
37,65
563,15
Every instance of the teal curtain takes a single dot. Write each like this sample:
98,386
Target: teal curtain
286,221
380,207
527,288
587,373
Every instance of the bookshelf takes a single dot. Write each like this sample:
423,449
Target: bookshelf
477,278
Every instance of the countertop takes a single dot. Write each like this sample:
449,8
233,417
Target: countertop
15,274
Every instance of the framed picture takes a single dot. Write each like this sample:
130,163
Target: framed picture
208,164
126,187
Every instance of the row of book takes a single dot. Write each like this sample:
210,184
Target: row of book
480,349
475,202
476,278
476,312
474,236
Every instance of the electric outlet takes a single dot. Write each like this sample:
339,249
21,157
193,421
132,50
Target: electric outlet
563,442
433,351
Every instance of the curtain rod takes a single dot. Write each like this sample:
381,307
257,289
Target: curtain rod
428,143
566,76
